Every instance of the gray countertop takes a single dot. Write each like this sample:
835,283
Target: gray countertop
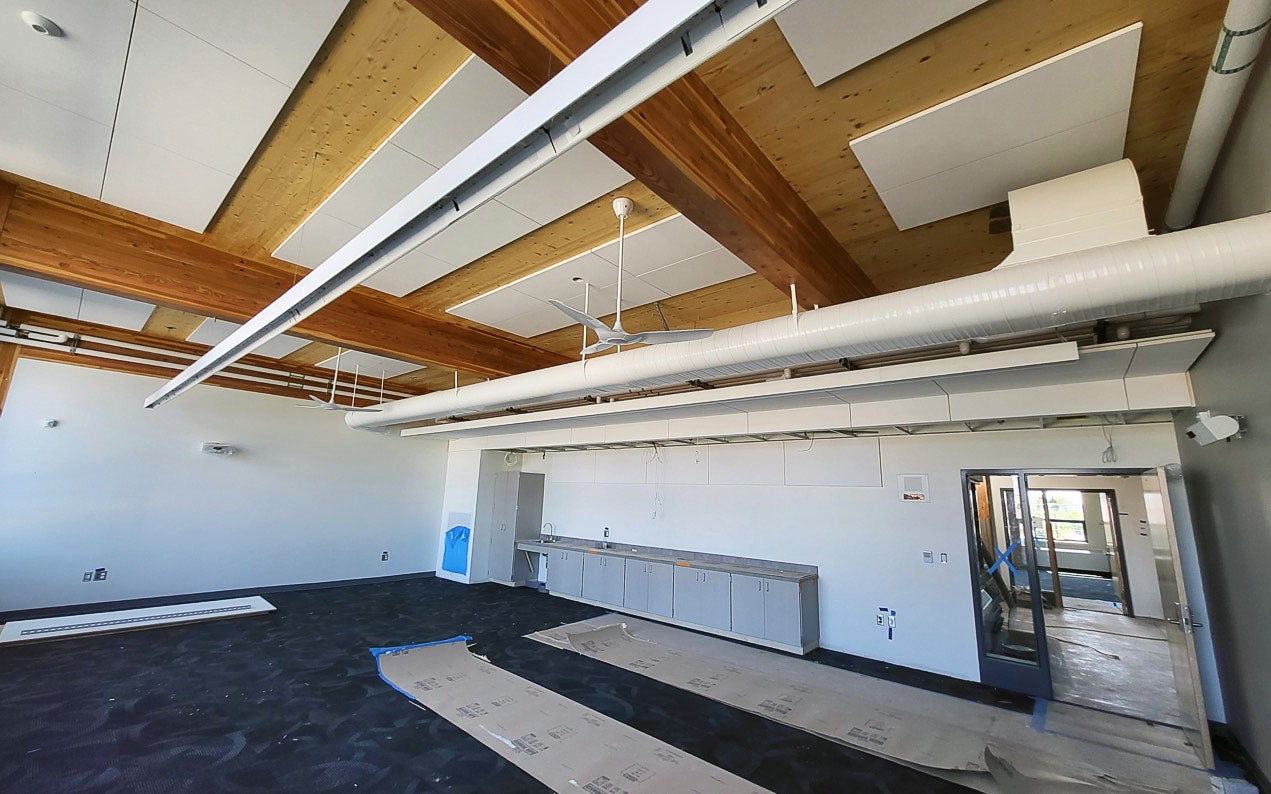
617,550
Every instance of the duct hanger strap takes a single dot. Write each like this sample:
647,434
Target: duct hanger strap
1238,45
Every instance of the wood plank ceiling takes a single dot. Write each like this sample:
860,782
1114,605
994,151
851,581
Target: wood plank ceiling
747,148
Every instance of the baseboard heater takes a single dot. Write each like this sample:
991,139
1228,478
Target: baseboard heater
130,619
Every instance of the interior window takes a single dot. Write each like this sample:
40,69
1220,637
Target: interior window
1064,512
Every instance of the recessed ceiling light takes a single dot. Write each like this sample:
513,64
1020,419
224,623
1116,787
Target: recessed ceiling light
41,24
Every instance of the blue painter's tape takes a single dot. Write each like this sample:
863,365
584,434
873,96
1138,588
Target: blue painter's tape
378,652
1039,715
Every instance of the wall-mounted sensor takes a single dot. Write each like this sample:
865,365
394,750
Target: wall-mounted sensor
41,24
49,423
217,448
1211,428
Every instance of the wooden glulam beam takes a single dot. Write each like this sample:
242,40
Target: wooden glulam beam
69,242
682,143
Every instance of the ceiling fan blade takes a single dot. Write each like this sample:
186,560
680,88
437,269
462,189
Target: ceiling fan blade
597,347
585,319
664,337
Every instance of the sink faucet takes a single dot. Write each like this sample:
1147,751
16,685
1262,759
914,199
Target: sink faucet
550,530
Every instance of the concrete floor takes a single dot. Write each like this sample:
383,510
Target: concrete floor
1114,663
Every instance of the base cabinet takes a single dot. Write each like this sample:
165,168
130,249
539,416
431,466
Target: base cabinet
703,597
565,572
768,608
604,578
650,587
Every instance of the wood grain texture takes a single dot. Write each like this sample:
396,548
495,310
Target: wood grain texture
587,227
380,62
805,131
8,362
312,353
171,323
682,143
68,243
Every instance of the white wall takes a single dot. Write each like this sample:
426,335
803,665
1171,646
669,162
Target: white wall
868,545
120,487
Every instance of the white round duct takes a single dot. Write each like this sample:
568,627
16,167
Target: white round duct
1152,274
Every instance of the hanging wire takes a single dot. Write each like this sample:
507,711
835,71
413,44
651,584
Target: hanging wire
1110,453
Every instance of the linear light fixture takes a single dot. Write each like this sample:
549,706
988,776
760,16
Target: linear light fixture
658,43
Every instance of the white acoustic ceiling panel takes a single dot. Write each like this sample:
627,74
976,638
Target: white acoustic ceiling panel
278,37
667,258
830,37
370,365
1063,115
58,95
50,297
212,332
466,105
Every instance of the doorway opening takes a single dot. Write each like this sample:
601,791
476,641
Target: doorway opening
1079,594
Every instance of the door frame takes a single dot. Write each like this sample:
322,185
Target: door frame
1005,673
1017,676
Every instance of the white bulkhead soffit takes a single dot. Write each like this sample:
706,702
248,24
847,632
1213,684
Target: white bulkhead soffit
1063,115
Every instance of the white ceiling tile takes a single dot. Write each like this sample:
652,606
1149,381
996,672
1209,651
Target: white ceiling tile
45,143
634,293
380,182
114,311
409,273
49,297
278,37
79,71
558,282
830,37
987,181
577,177
494,307
213,332
156,182
536,321
186,95
37,295
370,365
659,245
320,236
1004,121
468,104
700,271
485,229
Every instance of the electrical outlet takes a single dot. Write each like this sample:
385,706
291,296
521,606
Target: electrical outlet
88,576
384,557
606,531
99,575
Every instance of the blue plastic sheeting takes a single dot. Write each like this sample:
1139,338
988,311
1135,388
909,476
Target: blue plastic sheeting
378,652
455,557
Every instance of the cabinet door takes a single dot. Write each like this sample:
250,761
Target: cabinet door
565,573
661,588
715,600
686,604
748,605
782,614
593,577
635,593
615,579
502,541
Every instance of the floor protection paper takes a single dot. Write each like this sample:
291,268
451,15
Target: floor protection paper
981,746
563,744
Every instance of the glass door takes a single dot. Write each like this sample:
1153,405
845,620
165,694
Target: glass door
1008,600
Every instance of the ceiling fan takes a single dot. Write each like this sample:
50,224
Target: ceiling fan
617,335
331,405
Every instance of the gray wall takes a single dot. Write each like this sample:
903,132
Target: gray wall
1229,487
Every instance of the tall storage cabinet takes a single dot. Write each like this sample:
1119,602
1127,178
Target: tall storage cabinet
516,513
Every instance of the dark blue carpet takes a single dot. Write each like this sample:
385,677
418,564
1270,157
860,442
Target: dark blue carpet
291,702
1096,588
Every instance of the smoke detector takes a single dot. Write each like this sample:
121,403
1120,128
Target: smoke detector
41,24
